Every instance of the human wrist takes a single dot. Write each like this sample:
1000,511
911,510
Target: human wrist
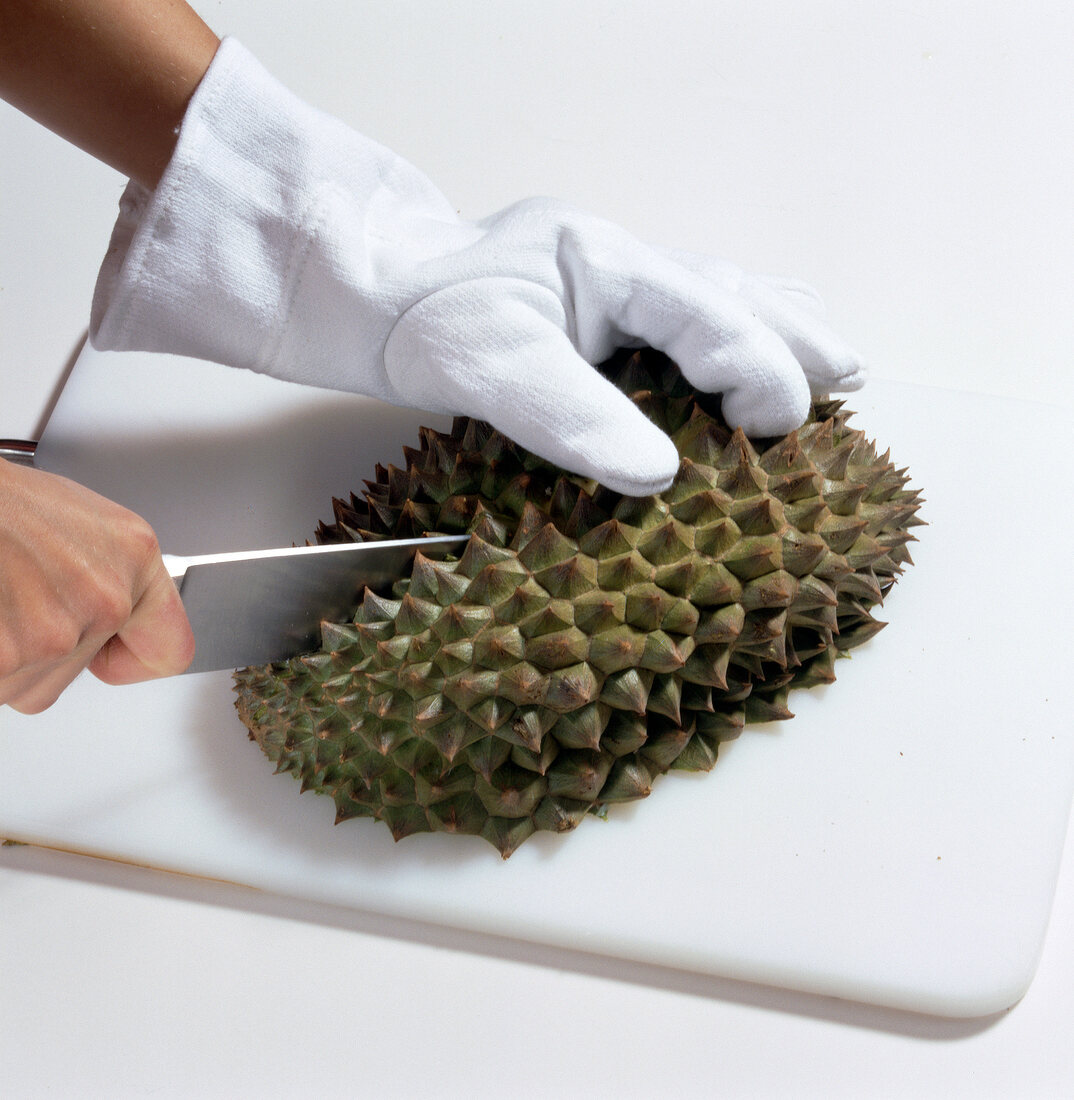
111,77
209,264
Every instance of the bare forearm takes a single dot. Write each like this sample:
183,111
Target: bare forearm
112,76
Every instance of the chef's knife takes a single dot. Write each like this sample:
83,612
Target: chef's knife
261,606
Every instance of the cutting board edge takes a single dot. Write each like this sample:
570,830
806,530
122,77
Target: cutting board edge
979,1000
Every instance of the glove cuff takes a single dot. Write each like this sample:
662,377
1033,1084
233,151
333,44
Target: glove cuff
195,267
212,262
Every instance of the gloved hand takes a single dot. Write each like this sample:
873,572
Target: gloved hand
280,240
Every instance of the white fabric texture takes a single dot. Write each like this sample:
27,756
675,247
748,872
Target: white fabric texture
280,240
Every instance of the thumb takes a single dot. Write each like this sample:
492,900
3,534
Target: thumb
497,349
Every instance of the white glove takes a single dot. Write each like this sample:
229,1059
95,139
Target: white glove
280,240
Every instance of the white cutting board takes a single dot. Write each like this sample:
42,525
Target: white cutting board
897,842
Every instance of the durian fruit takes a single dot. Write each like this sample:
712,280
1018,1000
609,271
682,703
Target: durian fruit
584,642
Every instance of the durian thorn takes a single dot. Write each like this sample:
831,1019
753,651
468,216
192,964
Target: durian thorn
822,438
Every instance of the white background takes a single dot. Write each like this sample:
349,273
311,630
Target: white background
915,163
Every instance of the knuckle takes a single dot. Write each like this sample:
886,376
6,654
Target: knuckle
112,607
113,595
10,657
48,644
40,645
141,540
57,643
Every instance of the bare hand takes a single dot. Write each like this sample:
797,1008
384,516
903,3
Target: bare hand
82,585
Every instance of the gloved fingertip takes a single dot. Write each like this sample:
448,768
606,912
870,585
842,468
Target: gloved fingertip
641,482
767,414
637,462
854,380
847,373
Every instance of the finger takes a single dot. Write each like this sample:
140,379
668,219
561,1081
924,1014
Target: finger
802,294
721,273
155,641
513,365
828,362
730,277
716,338
41,690
758,341
35,688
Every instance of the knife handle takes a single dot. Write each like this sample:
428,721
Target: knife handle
19,451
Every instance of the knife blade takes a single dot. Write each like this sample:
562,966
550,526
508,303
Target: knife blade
262,606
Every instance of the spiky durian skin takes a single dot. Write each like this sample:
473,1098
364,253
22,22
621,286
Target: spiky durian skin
584,642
